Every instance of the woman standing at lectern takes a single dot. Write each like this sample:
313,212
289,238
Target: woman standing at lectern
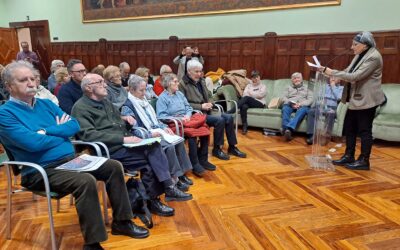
364,94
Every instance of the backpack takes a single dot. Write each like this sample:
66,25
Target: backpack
138,199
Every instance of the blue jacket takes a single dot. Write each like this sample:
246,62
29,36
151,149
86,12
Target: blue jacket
67,96
19,124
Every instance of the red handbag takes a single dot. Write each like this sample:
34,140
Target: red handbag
195,127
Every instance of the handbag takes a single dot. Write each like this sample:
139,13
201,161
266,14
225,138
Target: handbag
195,127
138,199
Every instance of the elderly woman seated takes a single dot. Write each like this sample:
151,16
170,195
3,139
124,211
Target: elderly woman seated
138,107
172,102
62,77
42,92
145,74
116,93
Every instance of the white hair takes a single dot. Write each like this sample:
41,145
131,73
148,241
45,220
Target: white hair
194,64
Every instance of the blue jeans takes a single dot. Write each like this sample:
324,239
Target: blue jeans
287,110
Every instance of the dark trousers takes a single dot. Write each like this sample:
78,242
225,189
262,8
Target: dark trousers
245,103
84,189
359,122
152,163
221,123
198,154
329,115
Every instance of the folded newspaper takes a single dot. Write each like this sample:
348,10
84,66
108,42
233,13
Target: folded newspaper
83,163
172,139
143,142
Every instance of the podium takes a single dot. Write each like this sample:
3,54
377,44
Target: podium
320,158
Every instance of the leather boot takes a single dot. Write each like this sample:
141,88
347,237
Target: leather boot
174,194
129,228
345,159
158,208
362,163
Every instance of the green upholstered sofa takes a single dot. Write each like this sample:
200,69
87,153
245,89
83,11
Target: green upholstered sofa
386,124
272,118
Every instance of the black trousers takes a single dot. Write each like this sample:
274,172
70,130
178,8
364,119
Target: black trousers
198,155
359,123
84,189
245,103
150,161
221,123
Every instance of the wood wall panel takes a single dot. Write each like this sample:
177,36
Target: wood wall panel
8,45
274,56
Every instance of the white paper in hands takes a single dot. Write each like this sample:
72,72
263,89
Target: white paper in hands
316,61
172,139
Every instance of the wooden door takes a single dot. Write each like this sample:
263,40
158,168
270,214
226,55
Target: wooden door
40,39
8,45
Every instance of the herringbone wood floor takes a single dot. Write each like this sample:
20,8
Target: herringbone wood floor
270,200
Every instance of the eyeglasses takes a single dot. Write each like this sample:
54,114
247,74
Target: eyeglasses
100,81
79,71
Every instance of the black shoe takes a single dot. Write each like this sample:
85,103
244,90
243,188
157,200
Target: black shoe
288,135
310,140
209,166
182,186
217,152
94,246
186,180
129,228
232,150
244,128
198,170
345,159
174,194
362,163
158,208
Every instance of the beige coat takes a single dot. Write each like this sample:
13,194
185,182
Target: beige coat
365,81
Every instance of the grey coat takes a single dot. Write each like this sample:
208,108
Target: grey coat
365,81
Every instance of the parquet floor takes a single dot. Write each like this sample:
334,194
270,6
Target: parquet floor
270,200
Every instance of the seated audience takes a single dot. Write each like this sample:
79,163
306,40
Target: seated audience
42,92
141,110
99,69
297,99
71,91
172,103
145,74
62,77
36,130
333,94
125,73
117,94
186,55
51,81
101,121
194,89
253,97
4,94
158,88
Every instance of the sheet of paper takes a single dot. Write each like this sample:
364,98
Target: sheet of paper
316,61
312,65
143,142
83,163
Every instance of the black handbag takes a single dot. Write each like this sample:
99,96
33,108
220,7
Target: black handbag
138,199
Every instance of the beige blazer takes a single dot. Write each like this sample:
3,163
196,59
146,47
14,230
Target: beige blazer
365,81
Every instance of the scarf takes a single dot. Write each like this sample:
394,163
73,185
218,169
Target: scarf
145,111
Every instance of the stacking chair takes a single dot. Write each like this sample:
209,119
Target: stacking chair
13,168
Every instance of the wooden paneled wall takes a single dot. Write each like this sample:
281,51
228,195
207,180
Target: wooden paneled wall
274,56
